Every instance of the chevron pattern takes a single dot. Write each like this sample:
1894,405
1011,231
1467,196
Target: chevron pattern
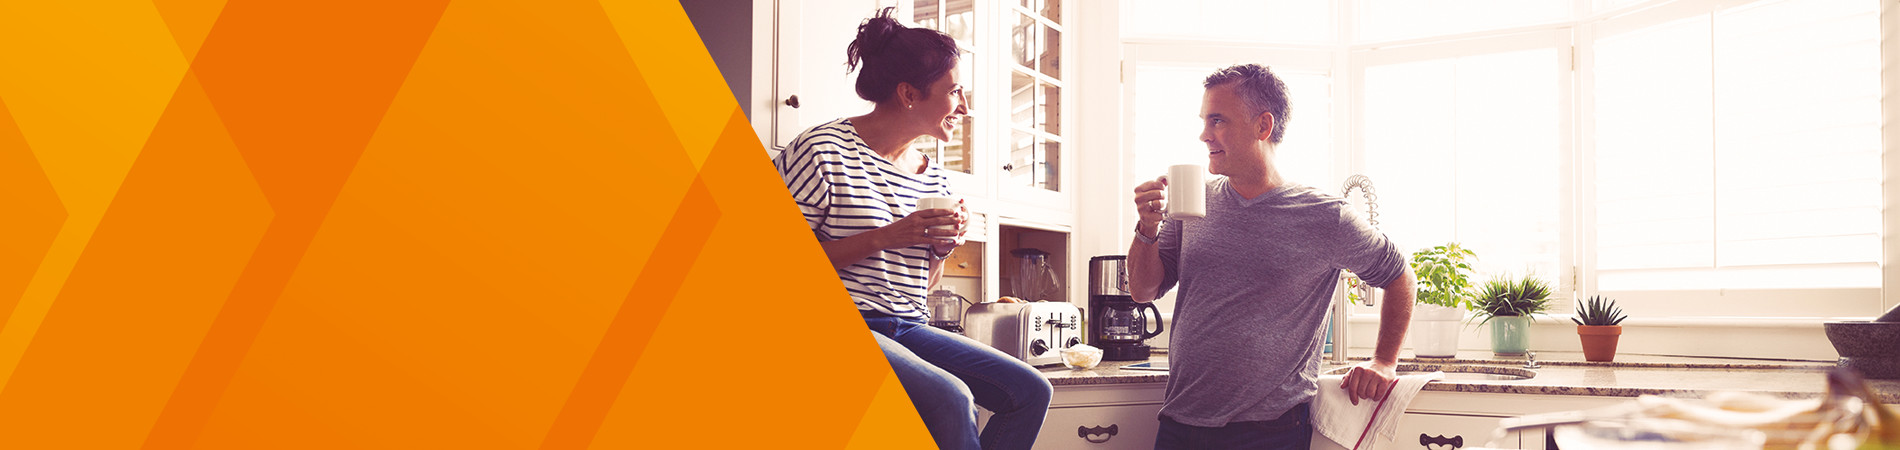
421,224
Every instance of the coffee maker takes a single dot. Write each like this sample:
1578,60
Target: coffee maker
1116,323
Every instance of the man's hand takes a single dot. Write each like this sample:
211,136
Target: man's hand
1369,380
1151,199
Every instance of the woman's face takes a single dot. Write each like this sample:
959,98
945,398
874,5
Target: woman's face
942,106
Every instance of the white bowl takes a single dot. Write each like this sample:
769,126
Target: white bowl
1081,358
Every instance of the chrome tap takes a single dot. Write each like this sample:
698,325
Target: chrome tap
1364,184
1342,298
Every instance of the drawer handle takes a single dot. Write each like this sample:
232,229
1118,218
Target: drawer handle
1454,441
1107,433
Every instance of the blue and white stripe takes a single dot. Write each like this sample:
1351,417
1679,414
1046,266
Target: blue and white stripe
844,188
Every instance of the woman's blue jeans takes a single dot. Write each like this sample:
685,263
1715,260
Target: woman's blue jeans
947,374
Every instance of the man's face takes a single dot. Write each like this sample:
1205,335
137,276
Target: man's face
1236,142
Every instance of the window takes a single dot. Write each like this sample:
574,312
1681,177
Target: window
1740,149
1252,21
1465,149
1691,158
957,19
1035,93
1381,20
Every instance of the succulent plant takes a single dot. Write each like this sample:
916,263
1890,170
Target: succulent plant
1599,311
1505,297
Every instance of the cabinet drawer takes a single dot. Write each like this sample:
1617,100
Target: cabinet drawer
1446,432
1133,427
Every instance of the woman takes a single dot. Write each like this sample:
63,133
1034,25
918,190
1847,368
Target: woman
858,183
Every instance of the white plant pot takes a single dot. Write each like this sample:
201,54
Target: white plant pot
1435,330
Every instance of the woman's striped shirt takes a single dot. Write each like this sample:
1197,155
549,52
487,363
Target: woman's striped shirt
844,188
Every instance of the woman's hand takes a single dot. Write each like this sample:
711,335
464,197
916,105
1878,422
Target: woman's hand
948,241
914,230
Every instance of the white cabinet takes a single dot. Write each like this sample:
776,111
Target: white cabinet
1428,431
1006,159
1100,417
1446,431
809,85
1438,420
1080,417
1100,427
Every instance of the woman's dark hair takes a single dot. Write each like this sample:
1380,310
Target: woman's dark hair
892,53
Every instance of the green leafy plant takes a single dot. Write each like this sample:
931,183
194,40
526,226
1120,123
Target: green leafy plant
1444,276
1599,311
1505,297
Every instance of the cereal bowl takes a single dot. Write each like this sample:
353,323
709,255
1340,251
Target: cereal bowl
1081,356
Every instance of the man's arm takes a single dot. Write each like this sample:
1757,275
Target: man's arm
1144,256
1395,317
1144,266
1370,379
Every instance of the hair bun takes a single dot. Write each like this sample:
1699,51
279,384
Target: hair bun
874,35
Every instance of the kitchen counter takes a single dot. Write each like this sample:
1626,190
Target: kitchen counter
1566,373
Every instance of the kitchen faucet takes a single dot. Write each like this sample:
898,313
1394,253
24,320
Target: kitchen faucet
1341,297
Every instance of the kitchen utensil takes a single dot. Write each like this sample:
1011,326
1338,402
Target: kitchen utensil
1034,332
1081,356
1035,278
949,203
1117,323
1187,191
946,309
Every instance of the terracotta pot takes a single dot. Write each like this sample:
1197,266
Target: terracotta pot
1599,341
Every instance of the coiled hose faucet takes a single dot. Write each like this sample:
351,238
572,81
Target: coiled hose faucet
1342,298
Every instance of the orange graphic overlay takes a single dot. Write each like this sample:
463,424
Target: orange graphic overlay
449,224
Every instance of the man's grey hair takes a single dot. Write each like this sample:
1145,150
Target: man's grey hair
1259,91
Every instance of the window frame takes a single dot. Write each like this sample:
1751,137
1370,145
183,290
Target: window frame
1557,37
1577,209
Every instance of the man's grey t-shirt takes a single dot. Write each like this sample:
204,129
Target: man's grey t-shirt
1256,278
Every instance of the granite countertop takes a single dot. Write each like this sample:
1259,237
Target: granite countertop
1566,373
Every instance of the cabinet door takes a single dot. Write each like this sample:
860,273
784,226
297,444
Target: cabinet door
1447,432
809,82
1100,427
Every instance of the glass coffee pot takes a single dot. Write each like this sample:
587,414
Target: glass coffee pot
1126,322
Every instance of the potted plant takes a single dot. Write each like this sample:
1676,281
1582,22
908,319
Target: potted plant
1509,306
1444,294
1598,324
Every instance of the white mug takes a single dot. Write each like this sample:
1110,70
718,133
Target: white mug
949,203
1187,191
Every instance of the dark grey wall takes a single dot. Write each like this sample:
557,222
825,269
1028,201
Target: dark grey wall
725,26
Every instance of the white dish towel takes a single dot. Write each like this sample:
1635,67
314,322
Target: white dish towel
1335,417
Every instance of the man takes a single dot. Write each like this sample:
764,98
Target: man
1256,278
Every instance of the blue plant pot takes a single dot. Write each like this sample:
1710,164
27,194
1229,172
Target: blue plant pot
1510,335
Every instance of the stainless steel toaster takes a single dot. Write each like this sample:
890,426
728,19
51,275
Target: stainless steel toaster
1035,332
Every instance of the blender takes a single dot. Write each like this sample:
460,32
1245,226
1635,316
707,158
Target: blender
1117,323
1035,279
